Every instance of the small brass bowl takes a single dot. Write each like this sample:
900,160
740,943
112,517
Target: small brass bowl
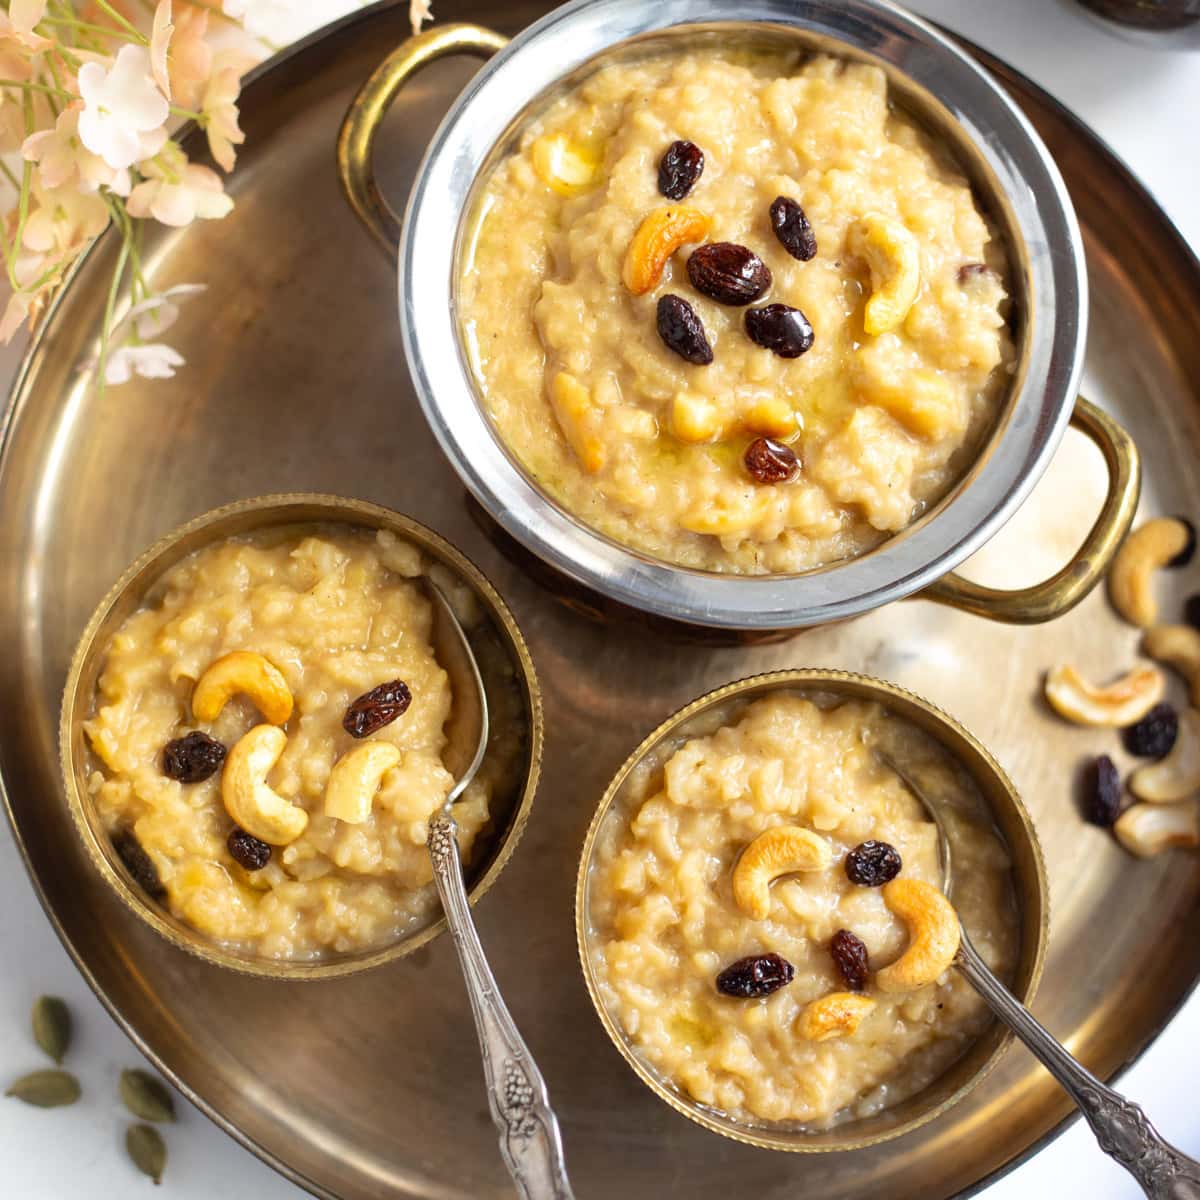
507,665
1012,821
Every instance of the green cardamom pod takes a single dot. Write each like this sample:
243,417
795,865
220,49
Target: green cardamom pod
146,1097
52,1026
46,1089
148,1150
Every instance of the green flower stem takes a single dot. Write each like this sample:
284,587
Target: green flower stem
102,30
109,306
104,6
199,117
37,87
8,174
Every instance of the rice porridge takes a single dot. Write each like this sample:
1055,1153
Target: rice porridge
606,318
268,727
781,993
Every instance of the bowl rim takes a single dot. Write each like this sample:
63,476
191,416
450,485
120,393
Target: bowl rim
1006,147
309,509
883,692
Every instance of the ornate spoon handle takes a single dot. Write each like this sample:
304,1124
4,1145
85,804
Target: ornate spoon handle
529,1137
1120,1126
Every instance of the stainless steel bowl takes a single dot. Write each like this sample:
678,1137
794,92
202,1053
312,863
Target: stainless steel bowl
950,95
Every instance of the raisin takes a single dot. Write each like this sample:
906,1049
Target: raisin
779,328
969,271
1188,552
1154,735
758,975
1191,610
1102,792
138,863
193,757
728,273
679,168
682,331
792,229
850,958
247,850
872,864
770,461
377,708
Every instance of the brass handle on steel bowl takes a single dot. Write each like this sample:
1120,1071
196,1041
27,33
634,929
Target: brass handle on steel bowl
1062,591
356,141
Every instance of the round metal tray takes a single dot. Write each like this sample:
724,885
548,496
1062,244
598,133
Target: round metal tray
371,1085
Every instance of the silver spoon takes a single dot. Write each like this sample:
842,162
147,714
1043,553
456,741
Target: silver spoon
1121,1127
529,1138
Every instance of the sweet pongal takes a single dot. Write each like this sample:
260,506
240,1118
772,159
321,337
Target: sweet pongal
764,915
707,260
269,728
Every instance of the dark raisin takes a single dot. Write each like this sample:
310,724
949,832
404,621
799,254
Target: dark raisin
872,864
1102,792
193,757
377,708
247,850
1188,552
850,958
138,863
769,461
792,229
1154,735
679,168
1191,610
758,975
682,331
779,328
728,273
970,271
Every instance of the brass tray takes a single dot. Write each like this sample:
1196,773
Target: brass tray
371,1086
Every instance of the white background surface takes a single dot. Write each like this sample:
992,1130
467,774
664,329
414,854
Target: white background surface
1144,99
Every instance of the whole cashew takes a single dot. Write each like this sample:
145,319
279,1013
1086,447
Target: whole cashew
246,672
780,850
893,256
259,810
1177,776
661,233
933,935
1149,829
836,1015
1178,646
1130,578
354,780
1121,702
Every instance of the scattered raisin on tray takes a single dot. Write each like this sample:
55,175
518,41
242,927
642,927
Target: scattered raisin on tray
1102,792
138,863
1185,556
682,330
193,757
872,864
792,229
1191,610
377,708
1154,735
247,850
757,975
769,461
850,958
779,328
728,273
680,166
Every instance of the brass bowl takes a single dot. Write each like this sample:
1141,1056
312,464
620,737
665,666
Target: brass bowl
1012,821
507,664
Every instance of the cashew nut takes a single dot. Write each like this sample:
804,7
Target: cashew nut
1149,829
780,850
567,166
1147,548
246,672
1121,702
893,256
259,810
659,235
837,1015
581,421
1178,775
933,935
355,778
1178,646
